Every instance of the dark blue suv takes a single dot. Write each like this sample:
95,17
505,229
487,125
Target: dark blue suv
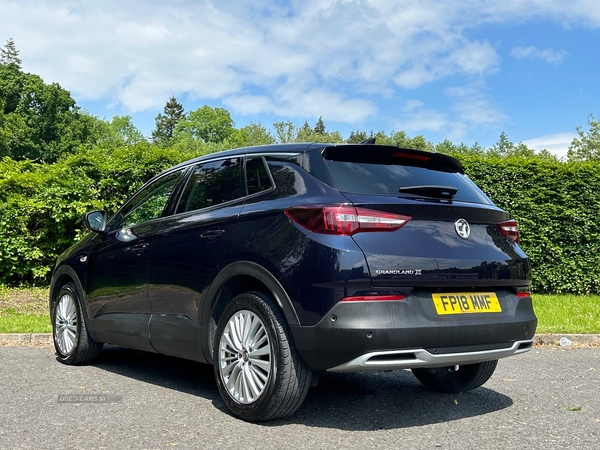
275,263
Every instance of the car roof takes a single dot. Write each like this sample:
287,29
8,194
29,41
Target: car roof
272,148
303,147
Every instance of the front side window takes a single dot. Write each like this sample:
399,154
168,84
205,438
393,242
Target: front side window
148,204
211,184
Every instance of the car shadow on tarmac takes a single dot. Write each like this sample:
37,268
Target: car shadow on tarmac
344,401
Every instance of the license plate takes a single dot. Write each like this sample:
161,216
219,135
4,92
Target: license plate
466,303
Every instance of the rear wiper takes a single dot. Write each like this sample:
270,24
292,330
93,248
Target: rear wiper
445,192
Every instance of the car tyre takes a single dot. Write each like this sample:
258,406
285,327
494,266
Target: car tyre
72,342
451,381
259,373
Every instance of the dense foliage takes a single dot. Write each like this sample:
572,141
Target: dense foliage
37,120
41,205
558,210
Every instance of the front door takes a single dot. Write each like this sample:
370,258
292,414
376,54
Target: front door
117,268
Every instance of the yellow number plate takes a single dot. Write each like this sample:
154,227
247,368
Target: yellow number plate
465,303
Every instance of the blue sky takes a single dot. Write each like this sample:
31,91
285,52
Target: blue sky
463,70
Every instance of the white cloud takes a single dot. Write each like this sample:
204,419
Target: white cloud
298,102
424,120
548,55
557,144
411,105
417,118
474,106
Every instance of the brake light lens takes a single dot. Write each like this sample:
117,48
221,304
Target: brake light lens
509,229
345,220
373,298
417,157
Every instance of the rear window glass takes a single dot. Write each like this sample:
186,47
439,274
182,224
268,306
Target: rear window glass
211,184
257,177
388,179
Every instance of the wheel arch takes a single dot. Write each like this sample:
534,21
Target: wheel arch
63,275
234,279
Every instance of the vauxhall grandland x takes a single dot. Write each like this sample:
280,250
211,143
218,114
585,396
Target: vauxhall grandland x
279,262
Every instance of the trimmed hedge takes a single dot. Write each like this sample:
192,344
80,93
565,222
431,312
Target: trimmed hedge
557,206
41,205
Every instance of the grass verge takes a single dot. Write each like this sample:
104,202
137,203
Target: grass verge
567,314
25,310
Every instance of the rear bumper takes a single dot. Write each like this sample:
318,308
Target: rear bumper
414,358
365,336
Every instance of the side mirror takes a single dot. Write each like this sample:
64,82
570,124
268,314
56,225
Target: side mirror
95,221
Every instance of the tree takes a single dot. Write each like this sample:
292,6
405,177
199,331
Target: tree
304,133
166,123
252,134
206,124
11,77
587,146
9,54
256,134
37,120
503,147
402,140
448,147
121,132
357,136
521,150
285,132
319,126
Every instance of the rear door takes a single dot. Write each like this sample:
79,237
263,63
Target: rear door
188,250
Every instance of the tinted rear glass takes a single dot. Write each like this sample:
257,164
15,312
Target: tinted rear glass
386,179
257,177
211,184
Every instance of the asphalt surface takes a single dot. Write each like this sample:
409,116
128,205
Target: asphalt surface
548,398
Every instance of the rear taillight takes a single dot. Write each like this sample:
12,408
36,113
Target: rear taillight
345,220
509,229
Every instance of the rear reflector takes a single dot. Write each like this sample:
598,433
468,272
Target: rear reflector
345,220
373,298
509,229
523,294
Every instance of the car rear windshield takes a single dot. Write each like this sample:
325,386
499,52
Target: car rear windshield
381,170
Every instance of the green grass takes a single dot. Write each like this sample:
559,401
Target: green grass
25,310
567,314
14,322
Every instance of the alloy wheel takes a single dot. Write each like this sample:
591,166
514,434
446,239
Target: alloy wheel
65,321
245,357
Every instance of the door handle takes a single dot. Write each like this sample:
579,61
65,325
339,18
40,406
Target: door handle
212,235
140,247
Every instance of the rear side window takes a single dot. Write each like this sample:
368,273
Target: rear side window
257,176
211,184
372,174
